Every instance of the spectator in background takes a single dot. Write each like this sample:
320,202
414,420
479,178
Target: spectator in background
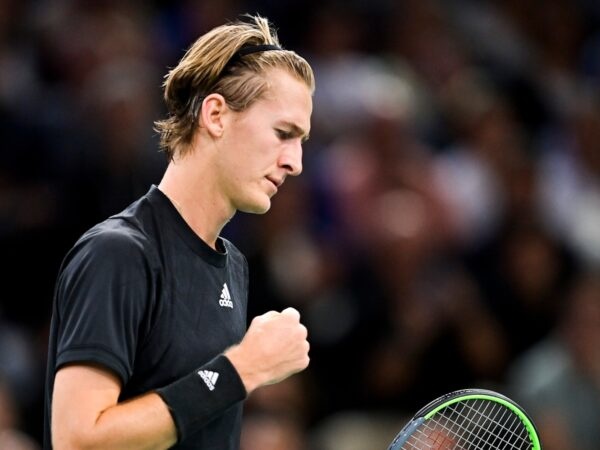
101,67
19,363
11,438
569,177
262,431
558,380
277,416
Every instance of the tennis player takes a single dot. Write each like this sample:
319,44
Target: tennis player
148,342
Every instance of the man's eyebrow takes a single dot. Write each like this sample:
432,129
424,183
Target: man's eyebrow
296,130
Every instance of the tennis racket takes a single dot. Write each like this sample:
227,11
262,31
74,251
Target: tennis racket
469,419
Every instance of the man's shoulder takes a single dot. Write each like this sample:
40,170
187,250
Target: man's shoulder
116,230
128,227
111,243
121,236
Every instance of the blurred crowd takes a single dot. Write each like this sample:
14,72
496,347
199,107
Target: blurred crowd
445,232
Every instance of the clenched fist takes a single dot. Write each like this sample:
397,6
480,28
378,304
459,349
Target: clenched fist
274,347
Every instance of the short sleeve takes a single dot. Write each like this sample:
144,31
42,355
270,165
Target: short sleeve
103,293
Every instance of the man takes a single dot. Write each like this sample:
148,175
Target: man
148,342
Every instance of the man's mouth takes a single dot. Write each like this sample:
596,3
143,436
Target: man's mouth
276,182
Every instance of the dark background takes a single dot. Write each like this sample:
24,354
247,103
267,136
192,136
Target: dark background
445,232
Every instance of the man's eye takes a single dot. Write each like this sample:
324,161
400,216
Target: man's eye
282,134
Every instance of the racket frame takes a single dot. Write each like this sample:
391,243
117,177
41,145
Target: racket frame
433,407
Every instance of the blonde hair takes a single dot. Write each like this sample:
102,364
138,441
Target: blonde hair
212,65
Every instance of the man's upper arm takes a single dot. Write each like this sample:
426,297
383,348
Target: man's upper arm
102,297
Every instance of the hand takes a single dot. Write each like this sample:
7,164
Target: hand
274,347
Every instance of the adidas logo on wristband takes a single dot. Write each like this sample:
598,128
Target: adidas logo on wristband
209,377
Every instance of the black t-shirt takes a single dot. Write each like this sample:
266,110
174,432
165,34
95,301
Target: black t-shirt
143,296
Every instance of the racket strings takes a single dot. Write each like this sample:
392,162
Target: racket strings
467,425
471,425
491,427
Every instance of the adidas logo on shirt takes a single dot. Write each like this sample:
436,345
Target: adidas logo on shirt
209,377
225,300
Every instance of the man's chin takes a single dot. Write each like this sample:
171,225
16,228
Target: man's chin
256,208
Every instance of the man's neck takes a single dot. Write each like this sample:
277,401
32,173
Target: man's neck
190,189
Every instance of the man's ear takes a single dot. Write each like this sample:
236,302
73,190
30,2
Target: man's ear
214,107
